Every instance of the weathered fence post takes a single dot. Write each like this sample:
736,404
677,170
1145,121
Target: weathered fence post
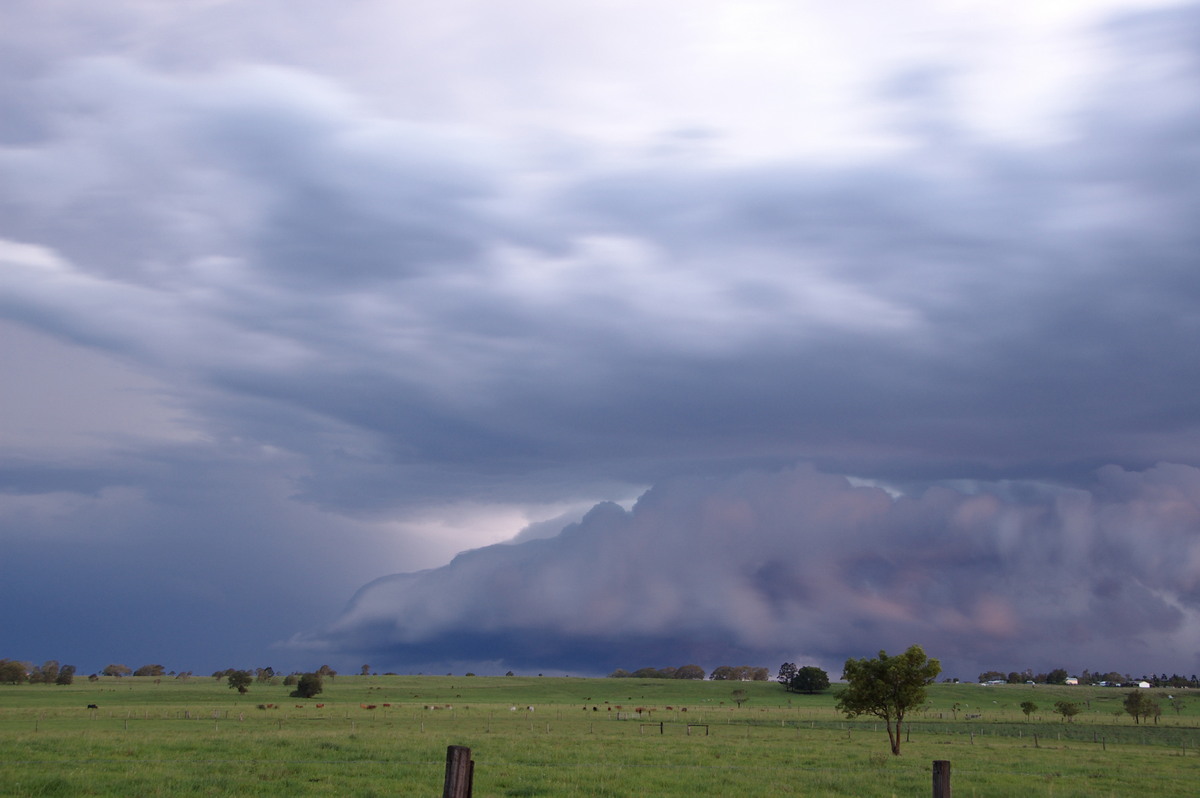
460,772
941,778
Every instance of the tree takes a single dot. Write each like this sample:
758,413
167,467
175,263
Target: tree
1057,676
308,685
722,673
786,671
1068,709
325,670
887,687
66,675
810,679
266,675
1135,704
1153,710
740,697
46,674
240,681
13,672
1028,707
150,670
366,670
619,673
117,670
689,672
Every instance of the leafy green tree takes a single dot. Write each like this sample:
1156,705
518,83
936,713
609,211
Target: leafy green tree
13,672
1057,676
117,670
326,671
1135,704
810,680
1068,709
150,670
1155,710
786,671
46,673
66,675
266,675
888,688
240,680
308,685
1028,707
619,673
689,672
722,673
740,697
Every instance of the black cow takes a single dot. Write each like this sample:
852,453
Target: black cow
92,706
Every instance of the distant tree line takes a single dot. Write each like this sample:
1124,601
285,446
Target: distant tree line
740,673
1108,678
49,672
682,672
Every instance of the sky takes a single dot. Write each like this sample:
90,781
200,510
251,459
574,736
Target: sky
561,337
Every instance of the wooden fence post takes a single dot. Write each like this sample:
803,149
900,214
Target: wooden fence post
941,778
460,772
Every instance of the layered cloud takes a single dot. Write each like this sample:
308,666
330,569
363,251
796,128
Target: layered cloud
257,285
798,565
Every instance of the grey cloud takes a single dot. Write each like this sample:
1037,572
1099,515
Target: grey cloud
960,310
409,315
773,566
193,553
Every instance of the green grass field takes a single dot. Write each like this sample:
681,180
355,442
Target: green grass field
200,738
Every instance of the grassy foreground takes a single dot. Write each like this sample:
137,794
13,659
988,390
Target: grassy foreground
583,737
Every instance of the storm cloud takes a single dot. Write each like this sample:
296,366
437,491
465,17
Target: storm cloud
798,565
288,309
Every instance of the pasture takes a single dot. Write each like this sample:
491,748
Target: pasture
387,736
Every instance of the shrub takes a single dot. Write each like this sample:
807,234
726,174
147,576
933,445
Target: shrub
307,686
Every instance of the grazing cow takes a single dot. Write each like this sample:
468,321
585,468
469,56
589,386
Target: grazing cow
92,706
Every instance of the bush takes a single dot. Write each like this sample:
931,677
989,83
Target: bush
240,681
308,686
